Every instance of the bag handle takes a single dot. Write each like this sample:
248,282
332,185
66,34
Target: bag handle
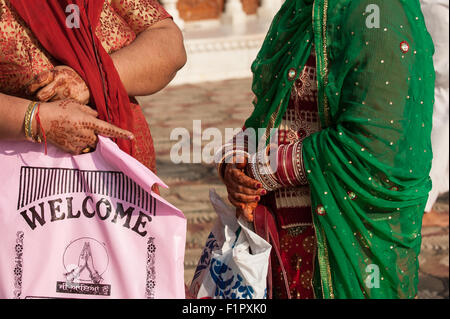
283,270
265,227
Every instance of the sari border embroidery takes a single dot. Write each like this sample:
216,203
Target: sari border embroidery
320,19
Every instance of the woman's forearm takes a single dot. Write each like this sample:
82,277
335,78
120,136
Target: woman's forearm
149,63
12,113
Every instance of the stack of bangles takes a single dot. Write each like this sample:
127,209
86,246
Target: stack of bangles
274,166
32,113
226,155
263,170
291,171
288,170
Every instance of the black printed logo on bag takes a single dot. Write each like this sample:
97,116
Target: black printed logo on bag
85,261
47,195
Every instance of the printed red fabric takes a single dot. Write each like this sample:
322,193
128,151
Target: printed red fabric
80,48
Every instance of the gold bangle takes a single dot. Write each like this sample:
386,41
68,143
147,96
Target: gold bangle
28,134
37,137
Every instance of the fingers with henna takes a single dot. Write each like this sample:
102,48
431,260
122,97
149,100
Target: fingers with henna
248,211
87,110
62,92
242,209
58,84
242,198
92,141
235,203
55,91
244,180
109,130
241,183
240,162
40,80
49,91
248,215
234,186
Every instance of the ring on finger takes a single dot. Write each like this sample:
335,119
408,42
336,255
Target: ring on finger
86,150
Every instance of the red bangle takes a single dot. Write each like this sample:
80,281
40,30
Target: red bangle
280,174
290,166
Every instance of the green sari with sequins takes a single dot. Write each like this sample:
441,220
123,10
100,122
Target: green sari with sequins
368,167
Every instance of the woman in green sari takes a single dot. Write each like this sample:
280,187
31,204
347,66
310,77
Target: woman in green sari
366,164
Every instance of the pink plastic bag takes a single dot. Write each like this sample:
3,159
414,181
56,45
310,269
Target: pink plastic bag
86,226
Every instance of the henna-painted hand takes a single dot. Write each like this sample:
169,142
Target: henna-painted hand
243,192
72,126
59,84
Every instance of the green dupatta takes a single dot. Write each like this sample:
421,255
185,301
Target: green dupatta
368,167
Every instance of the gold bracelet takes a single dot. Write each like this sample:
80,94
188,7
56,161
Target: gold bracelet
28,133
36,138
29,117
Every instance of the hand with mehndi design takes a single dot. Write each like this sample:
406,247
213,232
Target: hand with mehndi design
243,192
59,84
72,126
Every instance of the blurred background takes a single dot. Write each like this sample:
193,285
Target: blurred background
222,38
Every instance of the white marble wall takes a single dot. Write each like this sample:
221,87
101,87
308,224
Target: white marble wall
171,7
225,49
234,13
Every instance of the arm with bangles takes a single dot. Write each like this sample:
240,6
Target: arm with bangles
288,171
250,176
67,124
244,193
62,89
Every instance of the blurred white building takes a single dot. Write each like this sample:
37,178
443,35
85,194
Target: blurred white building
222,37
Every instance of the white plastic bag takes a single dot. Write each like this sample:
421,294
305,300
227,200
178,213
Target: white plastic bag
235,261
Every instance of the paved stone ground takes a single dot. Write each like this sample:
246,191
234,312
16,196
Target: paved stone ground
227,104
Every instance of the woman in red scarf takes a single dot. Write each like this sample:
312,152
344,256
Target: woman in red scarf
84,60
